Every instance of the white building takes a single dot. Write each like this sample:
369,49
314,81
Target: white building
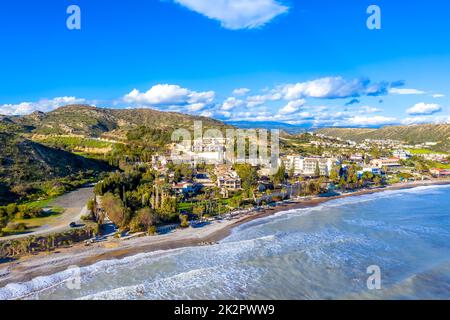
402,154
380,163
307,165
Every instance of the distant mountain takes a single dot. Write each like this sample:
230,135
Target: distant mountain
269,125
412,134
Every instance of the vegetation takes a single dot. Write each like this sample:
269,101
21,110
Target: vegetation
411,134
33,244
136,199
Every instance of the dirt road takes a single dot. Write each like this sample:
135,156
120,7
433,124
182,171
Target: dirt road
74,205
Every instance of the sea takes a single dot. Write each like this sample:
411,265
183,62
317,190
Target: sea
388,245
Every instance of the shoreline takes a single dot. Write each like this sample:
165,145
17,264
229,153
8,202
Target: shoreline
29,267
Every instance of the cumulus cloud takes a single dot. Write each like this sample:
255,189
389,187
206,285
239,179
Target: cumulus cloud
365,121
333,88
170,96
404,91
424,109
258,100
237,14
44,105
292,107
241,91
232,103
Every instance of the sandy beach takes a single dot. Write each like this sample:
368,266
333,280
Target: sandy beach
28,267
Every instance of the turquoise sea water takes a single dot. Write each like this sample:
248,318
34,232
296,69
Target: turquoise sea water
314,253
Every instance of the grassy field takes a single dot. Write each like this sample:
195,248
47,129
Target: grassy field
39,222
424,151
74,142
440,165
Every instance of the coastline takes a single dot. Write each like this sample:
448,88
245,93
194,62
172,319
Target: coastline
29,267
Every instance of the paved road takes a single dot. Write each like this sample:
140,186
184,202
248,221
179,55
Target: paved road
74,205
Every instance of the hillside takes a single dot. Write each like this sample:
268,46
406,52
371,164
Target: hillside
24,162
94,122
63,144
409,134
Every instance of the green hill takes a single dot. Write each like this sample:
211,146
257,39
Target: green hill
413,134
94,122
25,164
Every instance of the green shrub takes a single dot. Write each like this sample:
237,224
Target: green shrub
11,209
152,230
15,226
184,221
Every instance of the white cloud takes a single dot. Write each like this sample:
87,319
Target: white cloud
44,105
363,121
368,110
196,107
425,120
232,103
292,107
438,95
258,100
333,88
237,14
170,96
424,109
241,91
404,91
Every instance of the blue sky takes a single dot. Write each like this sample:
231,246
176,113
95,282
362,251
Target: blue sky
304,62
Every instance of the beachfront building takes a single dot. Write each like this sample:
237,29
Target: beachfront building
372,170
440,172
229,181
385,162
227,178
307,165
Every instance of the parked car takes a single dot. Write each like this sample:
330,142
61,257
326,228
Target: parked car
73,225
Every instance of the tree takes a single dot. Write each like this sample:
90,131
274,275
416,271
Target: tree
114,209
143,220
334,175
311,188
199,210
184,221
91,205
280,176
248,175
317,170
11,209
378,180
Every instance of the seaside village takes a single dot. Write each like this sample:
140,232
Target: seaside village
349,166
204,183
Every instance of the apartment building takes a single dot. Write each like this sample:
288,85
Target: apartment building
307,165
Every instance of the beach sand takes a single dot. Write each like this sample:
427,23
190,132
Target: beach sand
29,267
